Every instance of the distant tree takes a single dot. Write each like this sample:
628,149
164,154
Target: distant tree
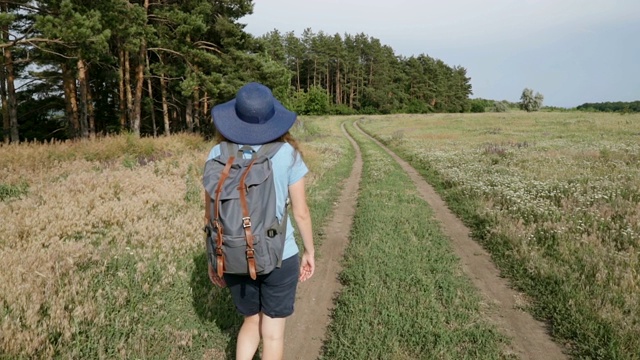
529,101
539,99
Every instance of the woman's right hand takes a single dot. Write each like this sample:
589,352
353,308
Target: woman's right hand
307,266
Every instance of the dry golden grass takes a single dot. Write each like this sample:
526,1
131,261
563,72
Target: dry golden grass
102,252
77,216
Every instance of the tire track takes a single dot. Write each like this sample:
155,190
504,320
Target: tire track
305,330
529,338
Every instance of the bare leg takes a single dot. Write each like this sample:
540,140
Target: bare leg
272,331
248,337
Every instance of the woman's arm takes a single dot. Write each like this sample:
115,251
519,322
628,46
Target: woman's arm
303,221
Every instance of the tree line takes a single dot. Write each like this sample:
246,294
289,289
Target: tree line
81,68
617,106
358,74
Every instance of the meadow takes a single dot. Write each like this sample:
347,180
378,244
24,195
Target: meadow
555,197
103,253
103,256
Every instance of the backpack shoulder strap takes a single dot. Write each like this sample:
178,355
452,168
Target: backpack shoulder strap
216,213
228,149
270,149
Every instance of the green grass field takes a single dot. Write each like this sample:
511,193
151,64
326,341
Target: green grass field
554,197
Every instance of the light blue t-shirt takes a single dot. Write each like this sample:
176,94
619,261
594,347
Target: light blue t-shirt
288,168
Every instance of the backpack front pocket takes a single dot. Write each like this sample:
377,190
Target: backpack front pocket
235,255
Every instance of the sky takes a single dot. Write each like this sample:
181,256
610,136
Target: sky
570,51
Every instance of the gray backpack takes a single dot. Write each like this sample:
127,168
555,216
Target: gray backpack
243,233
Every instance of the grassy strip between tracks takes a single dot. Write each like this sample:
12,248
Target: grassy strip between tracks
404,294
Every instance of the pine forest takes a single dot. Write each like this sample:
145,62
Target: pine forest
80,69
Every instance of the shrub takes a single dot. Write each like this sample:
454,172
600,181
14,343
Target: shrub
317,102
8,191
480,105
342,110
500,106
417,107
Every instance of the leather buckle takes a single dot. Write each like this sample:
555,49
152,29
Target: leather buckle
215,224
250,253
246,222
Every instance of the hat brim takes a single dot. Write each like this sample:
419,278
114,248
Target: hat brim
234,129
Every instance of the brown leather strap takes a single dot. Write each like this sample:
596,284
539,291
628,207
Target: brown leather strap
207,208
216,220
246,223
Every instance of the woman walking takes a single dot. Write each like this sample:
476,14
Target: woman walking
251,120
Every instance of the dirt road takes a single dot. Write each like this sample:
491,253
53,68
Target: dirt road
306,329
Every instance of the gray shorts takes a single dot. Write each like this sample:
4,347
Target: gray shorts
272,294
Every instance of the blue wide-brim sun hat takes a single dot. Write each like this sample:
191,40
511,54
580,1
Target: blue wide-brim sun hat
253,117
